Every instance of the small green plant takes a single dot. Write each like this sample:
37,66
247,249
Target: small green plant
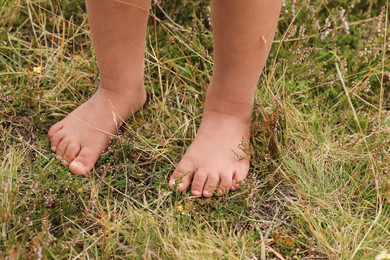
318,187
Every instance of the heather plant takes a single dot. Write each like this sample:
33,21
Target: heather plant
318,188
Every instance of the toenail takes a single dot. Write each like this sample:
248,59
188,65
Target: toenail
58,157
220,192
196,193
206,193
54,148
173,183
64,162
78,165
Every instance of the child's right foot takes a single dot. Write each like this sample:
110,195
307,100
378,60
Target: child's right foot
81,137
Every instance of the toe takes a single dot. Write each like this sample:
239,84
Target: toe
56,139
62,148
238,177
84,161
72,151
64,162
211,185
183,172
55,128
198,183
225,183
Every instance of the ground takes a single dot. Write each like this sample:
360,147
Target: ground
318,187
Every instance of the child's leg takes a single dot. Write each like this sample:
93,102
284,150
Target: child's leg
118,32
243,33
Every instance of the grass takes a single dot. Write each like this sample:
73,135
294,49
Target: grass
319,184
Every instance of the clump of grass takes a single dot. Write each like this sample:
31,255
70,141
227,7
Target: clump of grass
318,186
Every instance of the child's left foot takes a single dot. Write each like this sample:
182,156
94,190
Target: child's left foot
215,161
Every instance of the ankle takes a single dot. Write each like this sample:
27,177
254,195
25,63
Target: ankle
126,88
232,108
122,83
127,99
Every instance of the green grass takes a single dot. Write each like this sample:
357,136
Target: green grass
319,184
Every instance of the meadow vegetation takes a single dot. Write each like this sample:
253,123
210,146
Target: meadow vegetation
319,184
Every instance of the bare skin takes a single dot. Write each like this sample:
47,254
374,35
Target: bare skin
214,160
81,137
118,32
243,32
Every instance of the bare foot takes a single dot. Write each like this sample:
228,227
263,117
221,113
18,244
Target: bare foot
81,137
215,160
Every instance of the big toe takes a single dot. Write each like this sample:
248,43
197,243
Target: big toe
84,161
182,176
